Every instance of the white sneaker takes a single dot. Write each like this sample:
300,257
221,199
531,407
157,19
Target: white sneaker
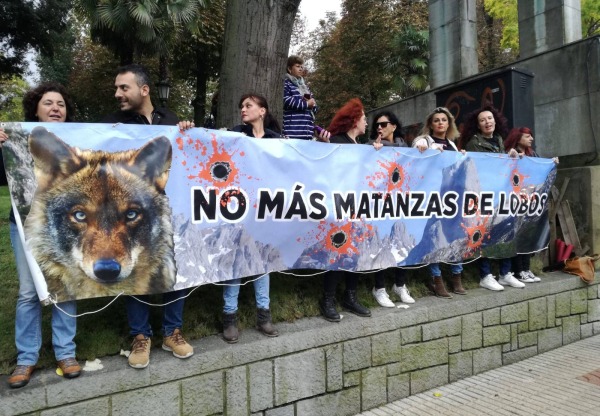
525,278
404,294
510,280
382,298
533,276
489,282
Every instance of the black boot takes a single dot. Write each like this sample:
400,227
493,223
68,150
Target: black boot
350,303
327,306
230,329
263,323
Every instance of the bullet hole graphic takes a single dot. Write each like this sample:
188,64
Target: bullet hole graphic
396,176
516,179
338,239
476,236
220,171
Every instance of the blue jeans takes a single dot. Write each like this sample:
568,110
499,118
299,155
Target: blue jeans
261,293
485,267
138,313
28,320
434,269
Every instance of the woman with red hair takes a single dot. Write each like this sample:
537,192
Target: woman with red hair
347,124
520,139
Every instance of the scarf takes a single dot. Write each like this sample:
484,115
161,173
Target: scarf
299,82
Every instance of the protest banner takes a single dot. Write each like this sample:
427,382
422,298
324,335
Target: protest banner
150,209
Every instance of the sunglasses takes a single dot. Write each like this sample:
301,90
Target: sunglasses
383,124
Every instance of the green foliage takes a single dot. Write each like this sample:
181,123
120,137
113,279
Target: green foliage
29,24
11,98
590,17
356,53
409,61
133,28
506,10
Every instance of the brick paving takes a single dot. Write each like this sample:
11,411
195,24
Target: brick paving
564,381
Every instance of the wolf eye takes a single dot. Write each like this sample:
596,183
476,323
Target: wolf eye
79,216
131,214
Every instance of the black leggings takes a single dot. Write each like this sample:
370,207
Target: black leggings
521,263
399,278
332,278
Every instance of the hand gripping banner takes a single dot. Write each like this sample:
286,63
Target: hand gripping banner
110,209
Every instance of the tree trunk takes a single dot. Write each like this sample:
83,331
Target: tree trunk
201,80
255,48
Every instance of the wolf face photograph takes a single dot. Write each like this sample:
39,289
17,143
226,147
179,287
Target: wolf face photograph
100,222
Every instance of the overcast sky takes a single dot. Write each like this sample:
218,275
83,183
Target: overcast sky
314,10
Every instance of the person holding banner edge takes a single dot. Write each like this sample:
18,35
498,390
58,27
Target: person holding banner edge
482,132
387,130
521,139
48,102
132,85
439,132
254,112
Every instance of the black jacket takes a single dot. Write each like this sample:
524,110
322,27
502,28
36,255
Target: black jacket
341,139
247,130
160,116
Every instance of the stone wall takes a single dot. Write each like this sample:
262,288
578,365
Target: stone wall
319,368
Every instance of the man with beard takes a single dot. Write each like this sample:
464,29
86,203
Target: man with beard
133,94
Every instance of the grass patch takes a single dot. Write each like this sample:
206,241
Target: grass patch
106,332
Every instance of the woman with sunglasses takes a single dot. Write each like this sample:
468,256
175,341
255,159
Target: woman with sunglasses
387,131
439,132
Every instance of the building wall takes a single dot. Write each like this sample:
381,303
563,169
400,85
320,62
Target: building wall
319,368
566,95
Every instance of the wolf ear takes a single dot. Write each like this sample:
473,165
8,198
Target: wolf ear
154,161
52,157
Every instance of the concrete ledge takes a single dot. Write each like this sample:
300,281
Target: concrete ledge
328,368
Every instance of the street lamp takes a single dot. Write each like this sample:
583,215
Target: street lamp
163,91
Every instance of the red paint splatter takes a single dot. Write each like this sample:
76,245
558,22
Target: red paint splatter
475,235
391,177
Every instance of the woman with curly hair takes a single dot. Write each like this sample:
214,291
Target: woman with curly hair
48,102
482,132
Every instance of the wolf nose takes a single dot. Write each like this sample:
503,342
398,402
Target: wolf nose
107,270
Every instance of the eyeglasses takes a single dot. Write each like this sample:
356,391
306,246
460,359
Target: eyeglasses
382,124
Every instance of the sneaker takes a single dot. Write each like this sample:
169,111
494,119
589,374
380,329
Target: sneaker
382,298
140,352
403,293
69,367
489,282
510,280
525,278
533,276
177,345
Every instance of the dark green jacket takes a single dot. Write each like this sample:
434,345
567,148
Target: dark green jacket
480,144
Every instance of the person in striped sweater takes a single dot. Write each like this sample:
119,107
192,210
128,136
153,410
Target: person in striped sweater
299,105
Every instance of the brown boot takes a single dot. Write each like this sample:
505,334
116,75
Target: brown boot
264,324
440,289
457,286
230,329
